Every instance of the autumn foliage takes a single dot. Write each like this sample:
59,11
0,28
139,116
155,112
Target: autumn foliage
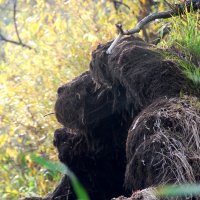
62,35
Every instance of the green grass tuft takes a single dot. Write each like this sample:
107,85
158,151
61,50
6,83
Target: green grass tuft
184,39
179,190
77,186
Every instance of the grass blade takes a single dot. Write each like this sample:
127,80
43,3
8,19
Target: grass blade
179,190
77,186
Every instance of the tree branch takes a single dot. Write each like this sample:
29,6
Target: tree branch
178,10
118,3
19,42
15,21
14,42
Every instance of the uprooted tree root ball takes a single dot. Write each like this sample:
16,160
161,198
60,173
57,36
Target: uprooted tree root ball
140,70
163,144
96,109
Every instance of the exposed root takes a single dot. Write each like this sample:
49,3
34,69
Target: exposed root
145,194
163,144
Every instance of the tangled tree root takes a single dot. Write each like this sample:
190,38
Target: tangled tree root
140,70
163,144
145,194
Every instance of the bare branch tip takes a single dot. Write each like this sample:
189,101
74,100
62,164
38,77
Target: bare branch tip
176,10
51,113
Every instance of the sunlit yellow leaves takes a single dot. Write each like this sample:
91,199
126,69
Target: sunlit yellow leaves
2,1
11,191
40,3
11,152
90,37
3,137
62,35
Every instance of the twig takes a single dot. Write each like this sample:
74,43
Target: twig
14,42
119,28
19,42
51,113
15,21
118,3
178,10
168,4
